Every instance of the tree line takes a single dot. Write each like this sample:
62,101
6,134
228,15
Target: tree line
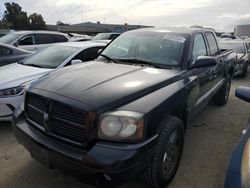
15,18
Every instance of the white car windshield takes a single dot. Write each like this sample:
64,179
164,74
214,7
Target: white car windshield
155,48
50,57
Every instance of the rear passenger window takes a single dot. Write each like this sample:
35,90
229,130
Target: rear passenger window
199,47
44,39
5,51
88,54
212,44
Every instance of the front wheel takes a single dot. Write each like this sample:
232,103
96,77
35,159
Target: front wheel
167,153
221,97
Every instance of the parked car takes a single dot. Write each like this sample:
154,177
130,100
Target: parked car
239,46
33,40
74,37
15,77
106,36
4,32
10,54
238,173
247,41
125,113
227,36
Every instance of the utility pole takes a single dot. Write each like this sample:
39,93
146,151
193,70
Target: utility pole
1,14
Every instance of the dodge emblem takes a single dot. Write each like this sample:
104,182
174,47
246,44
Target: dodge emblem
45,121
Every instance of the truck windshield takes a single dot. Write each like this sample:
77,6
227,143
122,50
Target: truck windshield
50,57
237,47
159,48
9,38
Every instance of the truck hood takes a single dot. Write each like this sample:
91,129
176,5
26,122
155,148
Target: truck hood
16,74
102,85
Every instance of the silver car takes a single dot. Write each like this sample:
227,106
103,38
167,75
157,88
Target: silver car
10,54
33,40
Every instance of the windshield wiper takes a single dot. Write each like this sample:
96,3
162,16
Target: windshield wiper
109,58
139,61
34,65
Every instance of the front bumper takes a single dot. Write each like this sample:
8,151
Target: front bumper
8,105
104,164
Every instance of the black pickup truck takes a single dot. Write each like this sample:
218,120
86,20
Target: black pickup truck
125,114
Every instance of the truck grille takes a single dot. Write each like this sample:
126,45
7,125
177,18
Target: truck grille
62,121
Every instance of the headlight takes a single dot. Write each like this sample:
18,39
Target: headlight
12,91
245,166
121,126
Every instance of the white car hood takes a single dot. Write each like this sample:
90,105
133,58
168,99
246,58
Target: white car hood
16,74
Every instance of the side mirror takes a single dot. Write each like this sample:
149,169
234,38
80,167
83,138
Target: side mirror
243,93
204,61
76,61
15,44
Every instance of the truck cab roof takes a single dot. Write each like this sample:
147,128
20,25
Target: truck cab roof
183,30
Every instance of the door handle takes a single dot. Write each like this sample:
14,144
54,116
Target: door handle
220,61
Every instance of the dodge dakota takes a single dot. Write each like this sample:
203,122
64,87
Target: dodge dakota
126,113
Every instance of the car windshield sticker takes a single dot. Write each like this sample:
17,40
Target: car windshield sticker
175,38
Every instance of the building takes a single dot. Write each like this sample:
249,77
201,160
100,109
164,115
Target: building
242,31
94,28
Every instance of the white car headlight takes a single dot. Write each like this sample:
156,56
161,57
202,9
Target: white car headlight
12,91
121,126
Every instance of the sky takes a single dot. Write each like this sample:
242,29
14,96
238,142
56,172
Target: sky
222,15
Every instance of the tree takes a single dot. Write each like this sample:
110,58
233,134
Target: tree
61,23
17,18
4,24
36,22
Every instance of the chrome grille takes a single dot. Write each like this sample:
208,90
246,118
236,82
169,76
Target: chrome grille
64,122
36,107
68,114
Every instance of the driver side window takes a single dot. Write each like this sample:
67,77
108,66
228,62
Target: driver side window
26,40
199,47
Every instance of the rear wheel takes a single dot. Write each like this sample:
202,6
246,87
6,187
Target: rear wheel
221,97
167,153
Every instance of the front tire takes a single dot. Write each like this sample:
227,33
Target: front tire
167,153
221,97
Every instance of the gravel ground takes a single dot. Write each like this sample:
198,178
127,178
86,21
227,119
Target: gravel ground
208,145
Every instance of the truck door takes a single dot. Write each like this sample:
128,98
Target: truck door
201,77
204,73
217,71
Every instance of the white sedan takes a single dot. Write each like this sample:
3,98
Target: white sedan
15,77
